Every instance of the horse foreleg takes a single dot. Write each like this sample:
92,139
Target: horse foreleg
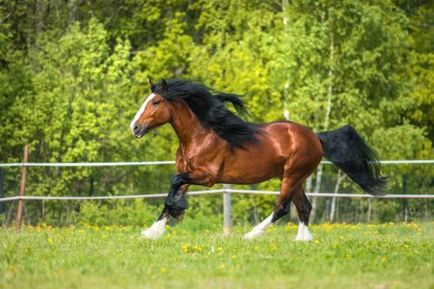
176,202
157,229
174,206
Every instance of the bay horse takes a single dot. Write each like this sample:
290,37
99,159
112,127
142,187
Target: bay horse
218,146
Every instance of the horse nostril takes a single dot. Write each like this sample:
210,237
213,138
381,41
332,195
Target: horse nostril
136,128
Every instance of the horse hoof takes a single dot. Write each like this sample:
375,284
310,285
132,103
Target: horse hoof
303,233
156,231
151,234
306,237
252,235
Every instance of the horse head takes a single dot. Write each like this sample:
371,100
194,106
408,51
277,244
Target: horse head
155,111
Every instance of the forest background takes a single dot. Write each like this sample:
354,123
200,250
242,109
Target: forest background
73,73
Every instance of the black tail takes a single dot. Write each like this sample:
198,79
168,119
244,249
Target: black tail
346,149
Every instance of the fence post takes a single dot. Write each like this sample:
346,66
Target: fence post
20,207
227,219
1,191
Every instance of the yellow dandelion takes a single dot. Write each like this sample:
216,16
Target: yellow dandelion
163,270
197,248
12,269
50,241
234,257
271,229
186,248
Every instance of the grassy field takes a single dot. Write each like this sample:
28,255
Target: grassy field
341,256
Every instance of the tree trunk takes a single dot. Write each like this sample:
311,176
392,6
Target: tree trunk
339,180
1,190
309,183
326,120
285,5
41,9
20,203
72,8
316,190
405,201
43,211
368,219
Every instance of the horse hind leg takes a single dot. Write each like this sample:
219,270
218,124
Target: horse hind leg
304,208
287,189
283,209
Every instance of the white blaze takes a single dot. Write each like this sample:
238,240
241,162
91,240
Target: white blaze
141,110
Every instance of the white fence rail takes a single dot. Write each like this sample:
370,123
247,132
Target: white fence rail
209,192
153,163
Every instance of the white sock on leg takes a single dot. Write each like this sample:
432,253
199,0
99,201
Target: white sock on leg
259,229
156,231
303,233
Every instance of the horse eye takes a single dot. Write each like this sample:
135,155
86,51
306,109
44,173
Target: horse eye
156,102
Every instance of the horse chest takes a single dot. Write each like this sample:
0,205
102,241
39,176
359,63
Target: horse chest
184,162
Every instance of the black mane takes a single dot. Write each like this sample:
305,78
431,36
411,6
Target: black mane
211,111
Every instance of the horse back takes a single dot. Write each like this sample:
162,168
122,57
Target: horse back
278,145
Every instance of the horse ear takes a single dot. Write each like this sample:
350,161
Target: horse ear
151,84
163,85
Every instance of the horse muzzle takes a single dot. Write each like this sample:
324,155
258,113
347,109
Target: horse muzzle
139,130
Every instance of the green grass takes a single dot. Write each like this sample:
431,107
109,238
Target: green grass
342,256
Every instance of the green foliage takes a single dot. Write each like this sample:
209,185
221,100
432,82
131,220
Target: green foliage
138,214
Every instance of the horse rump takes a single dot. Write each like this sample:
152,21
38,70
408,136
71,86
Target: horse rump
348,151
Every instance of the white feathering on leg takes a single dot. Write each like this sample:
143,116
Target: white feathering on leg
307,235
303,233
156,231
259,229
300,231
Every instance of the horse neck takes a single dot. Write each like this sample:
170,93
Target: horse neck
186,124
